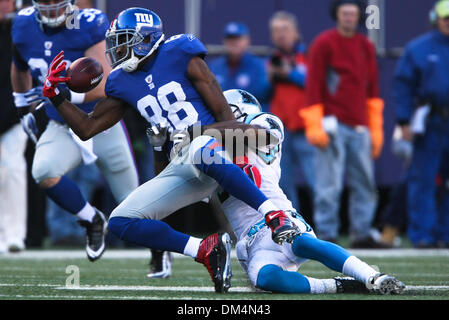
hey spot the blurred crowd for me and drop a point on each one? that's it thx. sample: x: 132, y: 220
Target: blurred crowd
x: 327, y: 95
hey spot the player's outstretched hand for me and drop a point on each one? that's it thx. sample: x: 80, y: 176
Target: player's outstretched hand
x: 35, y: 95
x: 53, y: 77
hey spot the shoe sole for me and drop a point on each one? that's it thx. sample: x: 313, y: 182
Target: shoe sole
x: 95, y: 255
x: 390, y: 285
x: 223, y: 279
x: 287, y: 235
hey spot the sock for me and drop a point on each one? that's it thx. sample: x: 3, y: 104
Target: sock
x: 359, y: 270
x: 67, y: 195
x: 210, y: 159
x: 266, y: 207
x: 87, y: 213
x: 153, y: 234
x: 192, y: 246
x: 274, y: 278
x: 318, y: 286
x: 330, y: 254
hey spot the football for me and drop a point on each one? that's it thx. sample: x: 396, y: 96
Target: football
x: 85, y: 74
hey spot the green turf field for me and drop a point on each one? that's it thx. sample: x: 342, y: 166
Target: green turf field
x: 121, y: 275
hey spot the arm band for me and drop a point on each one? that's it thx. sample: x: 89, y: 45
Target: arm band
x: 63, y: 94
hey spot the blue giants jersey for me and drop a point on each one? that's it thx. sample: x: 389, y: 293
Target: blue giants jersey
x: 160, y: 90
x: 38, y: 46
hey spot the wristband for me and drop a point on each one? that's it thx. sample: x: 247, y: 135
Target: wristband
x: 61, y: 96
x: 20, y: 101
x: 76, y: 98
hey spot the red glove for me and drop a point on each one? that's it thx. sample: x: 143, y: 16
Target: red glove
x: 251, y: 171
x: 53, y: 77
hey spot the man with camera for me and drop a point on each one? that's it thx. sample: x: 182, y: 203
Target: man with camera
x: 287, y: 73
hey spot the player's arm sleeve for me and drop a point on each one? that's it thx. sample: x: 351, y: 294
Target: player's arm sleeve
x: 111, y: 89
x: 405, y: 85
x: 193, y: 47
x: 17, y: 59
x: 98, y: 28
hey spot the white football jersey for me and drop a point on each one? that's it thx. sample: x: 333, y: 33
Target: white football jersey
x: 267, y: 160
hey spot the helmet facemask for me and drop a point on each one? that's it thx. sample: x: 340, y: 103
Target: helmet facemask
x: 119, y: 44
x: 239, y: 116
x: 53, y: 15
x: 128, y: 47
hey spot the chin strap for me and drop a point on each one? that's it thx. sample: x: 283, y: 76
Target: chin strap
x: 132, y: 63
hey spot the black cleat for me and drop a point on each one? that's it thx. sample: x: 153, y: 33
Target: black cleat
x: 160, y: 264
x: 350, y: 285
x: 96, y: 232
x: 385, y: 284
x: 282, y: 228
x: 215, y: 254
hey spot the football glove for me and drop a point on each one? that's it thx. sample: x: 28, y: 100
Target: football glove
x: 157, y: 135
x: 53, y: 78
x: 35, y: 95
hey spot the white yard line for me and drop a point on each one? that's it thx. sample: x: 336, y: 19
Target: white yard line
x: 178, y: 288
x: 145, y: 254
x: 21, y: 296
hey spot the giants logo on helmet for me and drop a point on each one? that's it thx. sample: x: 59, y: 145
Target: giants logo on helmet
x: 144, y: 19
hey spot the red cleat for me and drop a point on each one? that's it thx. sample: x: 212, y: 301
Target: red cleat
x: 282, y: 228
x: 215, y: 254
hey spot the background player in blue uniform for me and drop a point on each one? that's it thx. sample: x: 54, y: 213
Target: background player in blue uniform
x: 39, y: 33
x: 172, y: 87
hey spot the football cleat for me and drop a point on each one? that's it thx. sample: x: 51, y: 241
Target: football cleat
x: 282, y: 228
x: 215, y: 254
x: 350, y: 285
x: 160, y: 264
x: 96, y: 232
x: 385, y: 284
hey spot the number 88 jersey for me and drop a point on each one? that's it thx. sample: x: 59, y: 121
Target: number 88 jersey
x: 161, y: 90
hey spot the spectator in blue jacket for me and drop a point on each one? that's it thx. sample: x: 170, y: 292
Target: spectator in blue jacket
x: 421, y: 100
x: 238, y: 68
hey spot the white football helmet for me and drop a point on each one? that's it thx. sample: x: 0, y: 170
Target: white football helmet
x: 53, y: 15
x: 242, y: 103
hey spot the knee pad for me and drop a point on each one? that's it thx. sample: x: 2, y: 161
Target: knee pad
x: 43, y: 169
x: 267, y: 277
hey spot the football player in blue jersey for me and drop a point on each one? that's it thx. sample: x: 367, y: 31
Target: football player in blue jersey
x: 169, y: 83
x: 40, y: 32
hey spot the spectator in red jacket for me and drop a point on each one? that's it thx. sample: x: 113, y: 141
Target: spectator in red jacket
x: 344, y: 121
x: 287, y: 71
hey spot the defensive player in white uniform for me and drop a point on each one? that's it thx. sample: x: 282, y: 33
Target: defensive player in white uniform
x: 271, y: 266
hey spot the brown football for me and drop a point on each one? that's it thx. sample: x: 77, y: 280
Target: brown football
x: 85, y: 74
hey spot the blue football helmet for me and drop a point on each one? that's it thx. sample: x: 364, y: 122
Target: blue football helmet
x: 242, y: 103
x: 53, y: 15
x: 134, y: 35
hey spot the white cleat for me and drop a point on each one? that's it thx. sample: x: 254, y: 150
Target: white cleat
x: 160, y: 265
x: 385, y: 284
